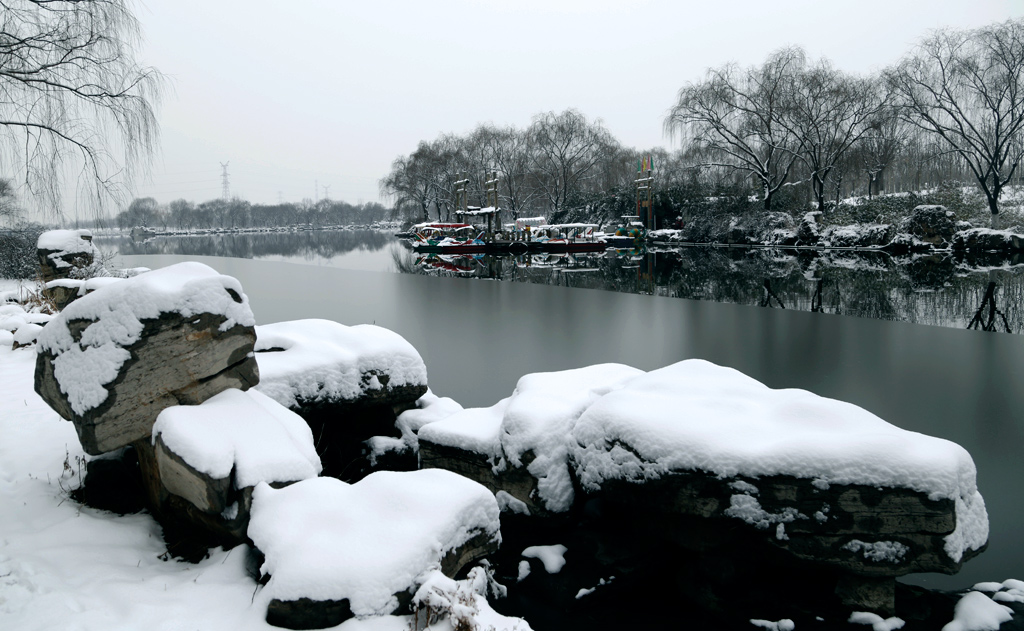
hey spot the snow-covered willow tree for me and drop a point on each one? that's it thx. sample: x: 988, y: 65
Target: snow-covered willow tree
x: 76, y: 108
x: 967, y: 88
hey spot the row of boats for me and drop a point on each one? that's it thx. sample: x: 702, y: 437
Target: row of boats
x: 525, y: 235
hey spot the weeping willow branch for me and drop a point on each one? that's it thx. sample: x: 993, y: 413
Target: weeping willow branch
x: 73, y: 98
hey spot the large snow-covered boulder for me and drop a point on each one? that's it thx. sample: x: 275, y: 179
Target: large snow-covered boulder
x: 113, y: 359
x: 313, y: 361
x: 695, y: 416
x: 347, y: 382
x: 213, y: 454
x: 334, y: 550
x: 62, y: 251
x: 521, y: 445
x: 824, y: 480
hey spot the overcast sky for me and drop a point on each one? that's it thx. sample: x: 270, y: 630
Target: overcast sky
x: 293, y: 93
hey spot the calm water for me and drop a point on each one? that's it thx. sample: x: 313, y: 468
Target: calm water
x: 941, y: 289
x: 478, y: 338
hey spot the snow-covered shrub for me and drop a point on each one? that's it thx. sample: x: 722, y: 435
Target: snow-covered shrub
x: 463, y: 603
x: 18, y: 252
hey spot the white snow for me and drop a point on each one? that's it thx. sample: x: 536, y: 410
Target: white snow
x: 540, y: 417
x: 771, y: 625
x: 877, y: 622
x: 508, y: 503
x: 27, y: 333
x: 246, y: 433
x: 463, y: 603
x: 328, y: 540
x: 977, y: 612
x: 321, y: 359
x: 84, y: 366
x: 471, y: 429
x: 695, y: 415
x: 67, y: 241
x: 381, y: 445
x: 524, y: 570
x: 537, y: 418
x: 878, y: 551
x: 1010, y: 590
x: 748, y: 509
x: 586, y: 591
x: 553, y: 557
x: 429, y: 409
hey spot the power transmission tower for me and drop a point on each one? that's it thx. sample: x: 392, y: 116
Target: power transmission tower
x: 326, y: 187
x: 225, y: 188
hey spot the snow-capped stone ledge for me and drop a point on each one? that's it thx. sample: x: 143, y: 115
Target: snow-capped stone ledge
x: 988, y: 240
x: 347, y: 382
x: 334, y: 550
x: 113, y: 359
x: 62, y: 251
x: 823, y: 480
x: 64, y: 291
x: 212, y: 454
x: 695, y: 417
x: 319, y: 361
x: 521, y: 445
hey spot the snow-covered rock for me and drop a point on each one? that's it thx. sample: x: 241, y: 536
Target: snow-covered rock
x: 348, y: 383
x: 695, y: 416
x: 320, y: 361
x: 113, y: 359
x: 61, y: 251
x: 333, y: 550
x: 212, y: 454
x: 989, y: 240
x: 530, y: 431
x: 932, y: 224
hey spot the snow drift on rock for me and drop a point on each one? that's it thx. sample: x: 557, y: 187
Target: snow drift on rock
x: 695, y: 415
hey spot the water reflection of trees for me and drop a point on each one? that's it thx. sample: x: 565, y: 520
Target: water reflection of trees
x: 938, y: 288
x: 306, y: 245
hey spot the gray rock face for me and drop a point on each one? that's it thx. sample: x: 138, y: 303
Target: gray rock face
x: 931, y: 224
x: 808, y: 232
x: 516, y: 482
x: 854, y: 528
x: 988, y: 240
x: 863, y: 536
x: 176, y: 361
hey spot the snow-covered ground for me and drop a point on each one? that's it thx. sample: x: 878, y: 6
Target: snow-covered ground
x: 68, y: 566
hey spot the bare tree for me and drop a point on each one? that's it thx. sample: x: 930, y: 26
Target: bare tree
x: 734, y: 119
x: 967, y: 87
x: 9, y: 209
x: 876, y: 150
x: 827, y: 112
x: 508, y: 151
x: 73, y: 97
x: 568, y: 150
